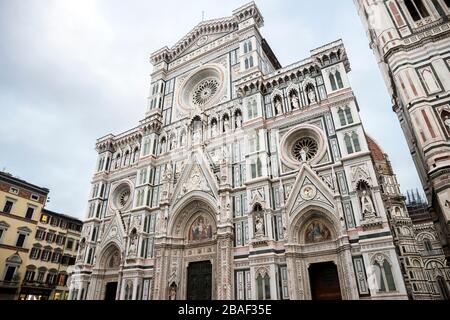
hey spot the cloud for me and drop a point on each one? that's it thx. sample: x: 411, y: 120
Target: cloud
x: 75, y: 70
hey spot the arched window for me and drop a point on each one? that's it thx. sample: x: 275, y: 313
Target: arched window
x: 259, y: 166
x: 333, y: 82
x: 126, y: 160
x: 245, y: 47
x: 339, y: 80
x: 356, y: 144
x: 252, y: 109
x: 326, y: 61
x: 348, y: 144
x: 417, y: 9
x: 342, y: 117
x: 384, y: 277
x: 250, y: 61
x: 263, y: 283
x: 250, y: 47
x: 427, y: 244
x: 333, y: 57
x: 246, y: 63
x: 108, y: 160
x: 348, y: 115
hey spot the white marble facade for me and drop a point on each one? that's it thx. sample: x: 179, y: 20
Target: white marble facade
x: 261, y: 171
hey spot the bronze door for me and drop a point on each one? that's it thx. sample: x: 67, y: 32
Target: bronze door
x: 324, y: 281
x: 199, y: 281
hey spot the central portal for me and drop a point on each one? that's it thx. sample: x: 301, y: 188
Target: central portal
x: 199, y: 281
x: 324, y: 281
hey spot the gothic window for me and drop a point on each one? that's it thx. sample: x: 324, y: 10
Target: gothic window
x: 146, y: 149
x: 256, y: 168
x: 243, y: 285
x: 333, y: 82
x: 326, y: 61
x: 250, y: 62
x: 342, y: 117
x: 417, y: 9
x: 384, y: 277
x: 427, y: 244
x: 396, y: 14
x: 254, y: 109
x: 356, y: 144
x: 348, y: 115
x: 245, y: 47
x: 333, y: 57
x: 429, y: 80
x: 263, y: 283
x: 339, y: 80
x: 348, y: 144
x: 246, y: 63
x: 250, y: 47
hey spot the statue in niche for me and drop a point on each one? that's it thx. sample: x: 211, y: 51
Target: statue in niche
x: 367, y: 207
x: 173, y: 142
x: 445, y: 116
x: 238, y: 120
x: 132, y: 249
x: 294, y: 101
x: 173, y: 292
x: 226, y: 124
x: 259, y: 225
x: 311, y: 95
x: 278, y: 106
x: 197, y: 128
x: 214, y: 129
x: 303, y: 155
x: 317, y: 232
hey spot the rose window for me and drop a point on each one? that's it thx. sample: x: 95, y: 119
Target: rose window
x: 124, y: 197
x: 305, y: 149
x: 205, y: 91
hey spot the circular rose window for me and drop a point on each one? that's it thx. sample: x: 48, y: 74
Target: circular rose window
x: 304, y: 143
x: 305, y: 149
x: 202, y: 89
x: 204, y: 92
x: 121, y: 196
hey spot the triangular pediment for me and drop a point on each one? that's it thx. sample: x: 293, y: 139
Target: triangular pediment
x: 202, y: 34
x: 115, y: 231
x: 196, y: 176
x: 309, y: 188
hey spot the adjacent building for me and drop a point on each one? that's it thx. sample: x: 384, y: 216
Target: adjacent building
x: 411, y: 41
x: 20, y: 209
x: 422, y: 260
x: 244, y: 180
x: 53, y: 249
x: 36, y: 245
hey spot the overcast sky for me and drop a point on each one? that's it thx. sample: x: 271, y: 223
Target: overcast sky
x: 73, y: 71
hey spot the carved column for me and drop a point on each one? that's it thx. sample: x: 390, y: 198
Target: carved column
x: 224, y: 265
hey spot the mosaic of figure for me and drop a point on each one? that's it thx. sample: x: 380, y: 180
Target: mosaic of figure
x: 201, y: 229
x: 317, y: 232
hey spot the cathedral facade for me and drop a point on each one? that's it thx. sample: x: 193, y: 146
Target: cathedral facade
x: 244, y: 180
x: 411, y: 41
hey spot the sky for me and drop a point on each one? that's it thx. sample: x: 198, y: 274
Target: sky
x: 73, y: 71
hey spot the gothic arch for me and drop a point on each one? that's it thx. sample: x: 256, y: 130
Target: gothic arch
x: 107, y: 253
x: 305, y: 214
x: 425, y: 235
x: 187, y: 207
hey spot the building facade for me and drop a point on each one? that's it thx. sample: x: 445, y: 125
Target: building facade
x: 422, y: 260
x: 20, y: 204
x: 53, y: 250
x: 244, y: 180
x: 411, y: 40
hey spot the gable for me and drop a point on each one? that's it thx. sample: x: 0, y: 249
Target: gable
x: 309, y: 188
x: 196, y: 176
